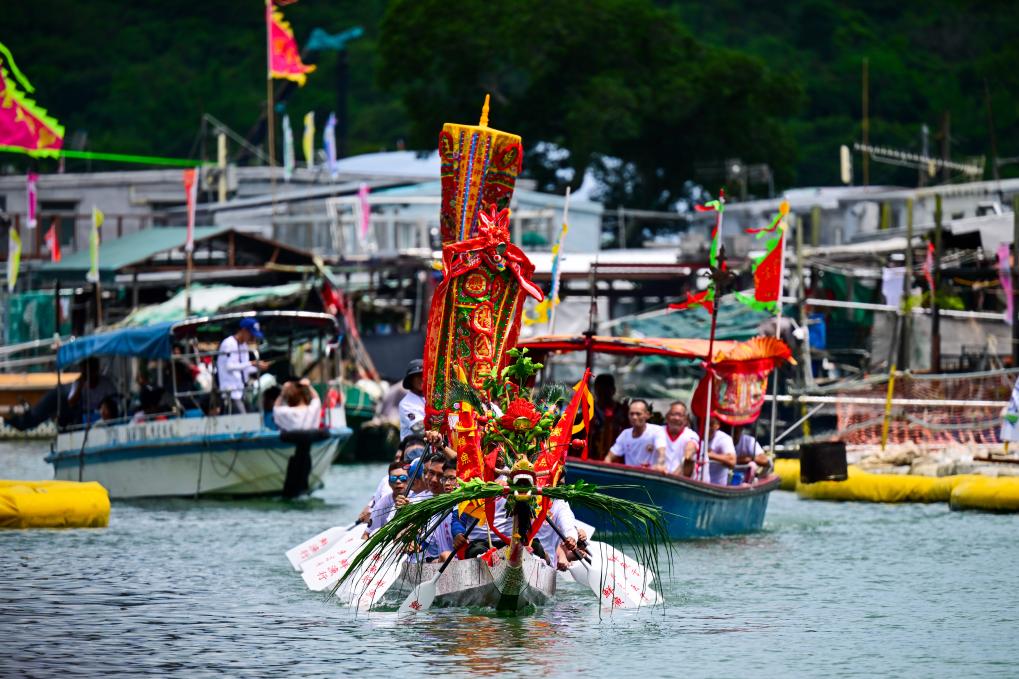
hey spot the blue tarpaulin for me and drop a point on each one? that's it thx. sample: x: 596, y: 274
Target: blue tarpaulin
x: 149, y: 342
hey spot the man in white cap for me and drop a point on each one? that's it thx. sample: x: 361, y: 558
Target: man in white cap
x: 234, y: 365
x: 412, y: 407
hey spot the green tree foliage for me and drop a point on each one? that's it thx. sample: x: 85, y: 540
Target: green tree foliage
x: 645, y: 93
x: 137, y: 76
x: 620, y: 79
x: 925, y: 58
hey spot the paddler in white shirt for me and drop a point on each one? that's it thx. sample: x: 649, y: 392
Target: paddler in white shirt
x: 643, y: 444
x: 681, y: 442
x: 557, y: 551
x: 721, y: 454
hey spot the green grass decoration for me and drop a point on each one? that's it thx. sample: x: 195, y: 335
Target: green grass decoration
x: 640, y: 525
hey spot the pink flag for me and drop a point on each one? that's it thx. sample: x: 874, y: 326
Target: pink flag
x: 928, y: 268
x: 53, y: 241
x: 33, y: 178
x: 191, y: 193
x: 366, y: 210
x: 1005, y: 276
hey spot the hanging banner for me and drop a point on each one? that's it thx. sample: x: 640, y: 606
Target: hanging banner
x: 93, y: 246
x: 365, y: 210
x: 329, y: 141
x: 288, y: 149
x: 53, y: 240
x: 13, y: 257
x: 191, y: 197
x: 32, y: 196
x: 308, y: 142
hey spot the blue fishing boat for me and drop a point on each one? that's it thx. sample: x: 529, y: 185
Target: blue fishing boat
x: 691, y: 508
x: 188, y: 443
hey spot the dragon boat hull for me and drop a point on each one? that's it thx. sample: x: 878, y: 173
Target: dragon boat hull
x: 230, y: 455
x: 473, y: 583
x: 691, y: 509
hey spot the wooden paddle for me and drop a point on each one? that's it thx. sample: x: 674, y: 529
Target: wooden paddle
x: 420, y: 599
x: 317, y: 545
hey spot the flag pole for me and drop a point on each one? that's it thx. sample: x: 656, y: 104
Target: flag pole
x: 269, y: 113
x: 778, y: 332
x: 702, y: 466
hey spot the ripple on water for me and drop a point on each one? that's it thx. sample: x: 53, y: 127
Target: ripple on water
x: 193, y: 589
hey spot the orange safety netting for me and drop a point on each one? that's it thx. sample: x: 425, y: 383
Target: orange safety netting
x: 929, y: 423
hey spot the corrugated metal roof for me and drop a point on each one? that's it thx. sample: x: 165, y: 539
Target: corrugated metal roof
x: 117, y: 253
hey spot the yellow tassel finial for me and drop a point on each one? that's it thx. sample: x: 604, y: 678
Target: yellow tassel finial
x: 484, y: 113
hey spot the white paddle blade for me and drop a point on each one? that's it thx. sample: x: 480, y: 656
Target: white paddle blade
x: 420, y: 599
x: 371, y: 582
x: 323, y: 571
x: 578, y: 571
x: 617, y: 587
x: 315, y: 546
x: 611, y: 556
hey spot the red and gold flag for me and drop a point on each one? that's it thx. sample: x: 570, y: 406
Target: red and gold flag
x: 24, y: 125
x: 284, y: 57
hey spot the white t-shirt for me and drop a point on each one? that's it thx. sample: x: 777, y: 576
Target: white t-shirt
x: 747, y: 446
x: 412, y: 412
x: 640, y: 451
x: 562, y: 515
x: 289, y: 418
x: 721, y: 444
x: 675, y: 448
x: 381, y: 513
x: 503, y: 523
x: 233, y: 366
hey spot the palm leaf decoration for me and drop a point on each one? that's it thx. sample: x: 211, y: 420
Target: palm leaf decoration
x: 638, y: 524
x: 552, y: 393
x: 460, y: 392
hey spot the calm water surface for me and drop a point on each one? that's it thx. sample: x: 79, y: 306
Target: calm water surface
x: 195, y: 589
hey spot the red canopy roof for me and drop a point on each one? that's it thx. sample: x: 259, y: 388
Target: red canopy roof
x: 627, y: 346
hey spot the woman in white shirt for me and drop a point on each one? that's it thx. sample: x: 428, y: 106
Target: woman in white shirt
x: 297, y: 407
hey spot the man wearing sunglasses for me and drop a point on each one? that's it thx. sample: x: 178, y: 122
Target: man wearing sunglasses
x: 385, y: 508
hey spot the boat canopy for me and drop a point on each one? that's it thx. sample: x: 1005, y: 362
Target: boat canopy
x: 155, y: 341
x: 628, y: 346
x: 149, y: 342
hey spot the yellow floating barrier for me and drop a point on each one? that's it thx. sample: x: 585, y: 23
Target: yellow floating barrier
x: 788, y: 469
x: 53, y: 504
x: 990, y: 494
x: 864, y: 487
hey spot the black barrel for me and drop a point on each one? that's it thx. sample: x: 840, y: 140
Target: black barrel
x: 823, y: 462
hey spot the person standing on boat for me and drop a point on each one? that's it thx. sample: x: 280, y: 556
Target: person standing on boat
x: 412, y: 406
x: 297, y: 407
x: 234, y: 365
x: 681, y: 442
x: 643, y: 444
x: 721, y: 454
x: 610, y: 417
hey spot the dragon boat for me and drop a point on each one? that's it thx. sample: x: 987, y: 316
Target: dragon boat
x: 510, y: 440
